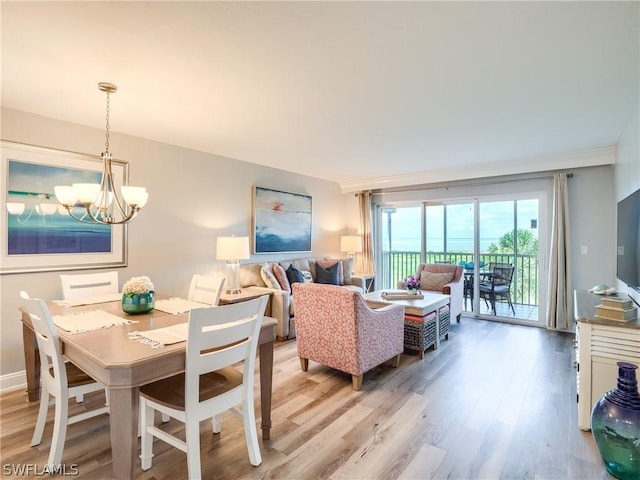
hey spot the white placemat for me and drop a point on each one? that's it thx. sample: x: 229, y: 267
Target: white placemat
x: 88, y: 321
x: 160, y: 337
x: 177, y: 305
x: 76, y: 302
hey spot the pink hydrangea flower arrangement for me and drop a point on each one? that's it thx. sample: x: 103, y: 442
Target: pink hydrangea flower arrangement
x: 412, y: 283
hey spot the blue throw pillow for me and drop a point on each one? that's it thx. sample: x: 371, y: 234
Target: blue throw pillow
x: 327, y: 276
x: 294, y: 275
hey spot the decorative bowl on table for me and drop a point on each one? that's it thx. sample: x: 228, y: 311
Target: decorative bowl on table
x: 138, y: 296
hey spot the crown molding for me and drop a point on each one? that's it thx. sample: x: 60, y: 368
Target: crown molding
x: 579, y: 159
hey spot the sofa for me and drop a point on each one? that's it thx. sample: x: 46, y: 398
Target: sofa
x: 259, y: 277
x: 443, y: 278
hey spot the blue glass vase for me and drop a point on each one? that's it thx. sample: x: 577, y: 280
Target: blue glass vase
x: 136, y: 304
x: 615, y: 424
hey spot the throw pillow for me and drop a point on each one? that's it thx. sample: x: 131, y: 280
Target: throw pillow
x: 329, y: 275
x: 302, y: 264
x: 268, y: 277
x: 281, y: 275
x: 434, y: 281
x: 306, y: 275
x: 250, y: 274
x: 347, y: 269
x: 294, y: 275
x: 328, y: 264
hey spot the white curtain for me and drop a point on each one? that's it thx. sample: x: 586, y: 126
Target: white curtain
x: 365, y: 260
x: 559, y: 293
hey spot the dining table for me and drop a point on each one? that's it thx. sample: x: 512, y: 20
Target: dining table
x: 123, y: 364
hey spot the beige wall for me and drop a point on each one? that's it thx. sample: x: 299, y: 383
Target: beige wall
x: 194, y: 197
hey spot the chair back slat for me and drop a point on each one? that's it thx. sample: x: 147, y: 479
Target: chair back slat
x: 220, y: 337
x: 206, y: 289
x: 88, y: 285
x: 224, y: 357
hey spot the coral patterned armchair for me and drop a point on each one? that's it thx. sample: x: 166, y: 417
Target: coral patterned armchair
x: 335, y: 327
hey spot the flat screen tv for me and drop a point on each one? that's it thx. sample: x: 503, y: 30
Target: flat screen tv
x: 628, y: 265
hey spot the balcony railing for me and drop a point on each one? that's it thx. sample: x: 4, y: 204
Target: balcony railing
x: 524, y: 287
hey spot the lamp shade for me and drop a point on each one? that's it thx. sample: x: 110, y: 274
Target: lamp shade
x: 351, y: 243
x: 232, y: 248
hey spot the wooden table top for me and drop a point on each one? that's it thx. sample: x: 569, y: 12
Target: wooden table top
x: 111, y: 348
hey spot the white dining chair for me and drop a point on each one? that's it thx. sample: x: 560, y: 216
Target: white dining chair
x: 218, y: 337
x: 89, y: 285
x: 206, y: 289
x: 60, y: 380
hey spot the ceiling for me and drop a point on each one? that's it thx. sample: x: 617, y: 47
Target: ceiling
x: 366, y: 94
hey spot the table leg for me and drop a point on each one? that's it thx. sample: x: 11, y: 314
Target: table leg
x: 266, y: 385
x: 124, y: 431
x: 31, y: 363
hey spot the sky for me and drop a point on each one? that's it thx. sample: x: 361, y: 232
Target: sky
x: 496, y: 219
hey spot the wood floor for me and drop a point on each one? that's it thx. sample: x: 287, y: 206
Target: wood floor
x: 494, y: 401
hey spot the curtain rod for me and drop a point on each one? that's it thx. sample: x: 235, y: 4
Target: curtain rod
x: 473, y: 182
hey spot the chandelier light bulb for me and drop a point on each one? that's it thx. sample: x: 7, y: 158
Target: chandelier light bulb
x: 65, y: 194
x: 15, y: 208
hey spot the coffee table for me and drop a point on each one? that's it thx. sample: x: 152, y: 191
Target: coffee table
x: 426, y: 319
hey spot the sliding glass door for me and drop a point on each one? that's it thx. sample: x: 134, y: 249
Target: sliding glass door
x: 509, y: 237
x: 508, y: 233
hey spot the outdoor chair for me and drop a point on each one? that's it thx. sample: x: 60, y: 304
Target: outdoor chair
x: 499, y: 285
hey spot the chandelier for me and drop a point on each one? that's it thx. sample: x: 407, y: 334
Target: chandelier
x: 100, y: 201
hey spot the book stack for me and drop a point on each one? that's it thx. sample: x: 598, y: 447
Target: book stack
x: 617, y: 309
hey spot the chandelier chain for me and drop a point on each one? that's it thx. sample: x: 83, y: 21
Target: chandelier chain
x: 106, y: 140
x: 100, y: 201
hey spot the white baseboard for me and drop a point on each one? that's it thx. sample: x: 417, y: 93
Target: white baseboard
x: 13, y: 381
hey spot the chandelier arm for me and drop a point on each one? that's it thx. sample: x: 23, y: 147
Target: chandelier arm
x: 116, y: 198
x: 95, y: 220
x: 82, y: 218
x: 22, y: 222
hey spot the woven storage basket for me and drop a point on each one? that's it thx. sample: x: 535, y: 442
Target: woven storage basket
x: 445, y: 322
x: 419, y: 332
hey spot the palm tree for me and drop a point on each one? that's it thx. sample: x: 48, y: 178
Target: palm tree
x: 526, y: 267
x: 527, y: 243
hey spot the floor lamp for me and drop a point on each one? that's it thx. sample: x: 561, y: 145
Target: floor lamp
x: 233, y: 249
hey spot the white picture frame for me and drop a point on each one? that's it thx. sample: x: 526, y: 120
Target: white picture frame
x: 52, y: 243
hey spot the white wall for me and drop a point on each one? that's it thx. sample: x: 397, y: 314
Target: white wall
x: 194, y: 197
x: 627, y: 175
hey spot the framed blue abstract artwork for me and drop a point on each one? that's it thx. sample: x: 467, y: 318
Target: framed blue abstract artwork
x: 36, y: 234
x: 281, y: 221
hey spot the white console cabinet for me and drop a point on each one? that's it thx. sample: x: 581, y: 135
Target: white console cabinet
x: 600, y: 344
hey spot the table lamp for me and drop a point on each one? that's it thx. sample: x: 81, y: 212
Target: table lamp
x: 351, y: 244
x: 233, y: 249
